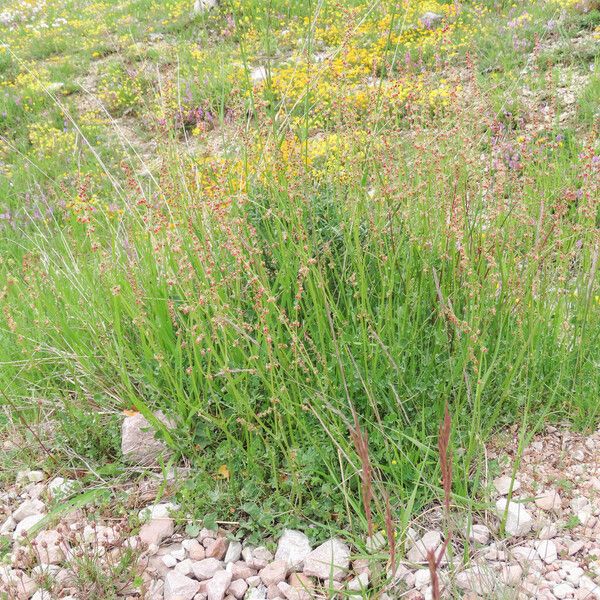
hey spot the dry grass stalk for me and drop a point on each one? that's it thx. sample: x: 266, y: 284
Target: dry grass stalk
x: 445, y: 458
x: 390, y: 530
x: 361, y: 444
x: 435, y: 580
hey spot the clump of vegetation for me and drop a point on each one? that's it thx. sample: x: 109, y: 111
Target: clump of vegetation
x: 120, y: 89
x: 343, y: 218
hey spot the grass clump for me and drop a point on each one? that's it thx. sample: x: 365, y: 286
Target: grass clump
x: 389, y: 218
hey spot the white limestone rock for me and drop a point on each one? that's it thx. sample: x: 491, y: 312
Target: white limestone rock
x: 547, y: 551
x: 329, y: 560
x: 27, y: 509
x: 293, y: 548
x: 430, y: 541
x: 180, y: 587
x: 518, y: 520
x: 25, y: 525
x: 138, y: 440
x: 156, y: 531
x: 477, y: 580
x: 376, y: 542
x: 274, y: 572
x: 217, y: 586
x: 549, y: 500
x: 158, y: 511
x: 479, y: 534
x: 503, y: 483
x: 234, y: 552
x: 205, y: 569
x: 203, y: 6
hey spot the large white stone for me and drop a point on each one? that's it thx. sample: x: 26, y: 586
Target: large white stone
x: 547, y: 551
x: 549, y: 500
x: 158, y: 511
x: 194, y: 549
x: 178, y: 552
x: 563, y: 590
x: 292, y: 593
x: 217, y: 586
x: 60, y: 486
x: 237, y: 588
x: 180, y: 587
x: 234, y: 551
x: 548, y: 531
x: 27, y: 509
x: 256, y: 593
x: 20, y: 584
x: 376, y: 542
x: 293, y: 548
x: 511, y: 574
x: 258, y: 74
x: 503, y: 484
x: 240, y: 570
x: 184, y: 567
x: 261, y: 557
x: 359, y: 583
x: 476, y: 580
x: 329, y: 560
x: 156, y: 531
x: 526, y: 555
x: 205, y: 569
x: 430, y: 541
x: 479, y: 534
x: 51, y: 547
x: 422, y: 578
x: 582, y: 508
x: 8, y: 526
x: 170, y: 561
x: 203, y: 6
x: 24, y: 477
x: 274, y: 572
x: 587, y: 584
x: 100, y: 533
x: 518, y: 520
x: 216, y: 548
x: 25, y: 525
x: 138, y: 441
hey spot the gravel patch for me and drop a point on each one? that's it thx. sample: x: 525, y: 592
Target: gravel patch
x: 549, y: 547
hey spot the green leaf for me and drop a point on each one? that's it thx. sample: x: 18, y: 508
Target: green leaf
x: 192, y: 530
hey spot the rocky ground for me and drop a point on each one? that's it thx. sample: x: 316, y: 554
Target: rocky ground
x: 550, y: 546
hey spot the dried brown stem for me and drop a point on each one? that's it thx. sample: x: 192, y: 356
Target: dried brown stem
x: 361, y: 444
x: 445, y: 458
x: 390, y: 531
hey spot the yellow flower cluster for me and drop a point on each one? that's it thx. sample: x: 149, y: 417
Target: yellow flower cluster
x: 118, y: 90
x: 31, y: 84
x: 351, y: 48
x: 215, y: 175
x: 326, y: 157
x: 171, y: 11
x: 321, y: 84
x: 49, y: 142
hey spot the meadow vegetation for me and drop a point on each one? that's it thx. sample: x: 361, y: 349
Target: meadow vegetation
x: 284, y: 223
